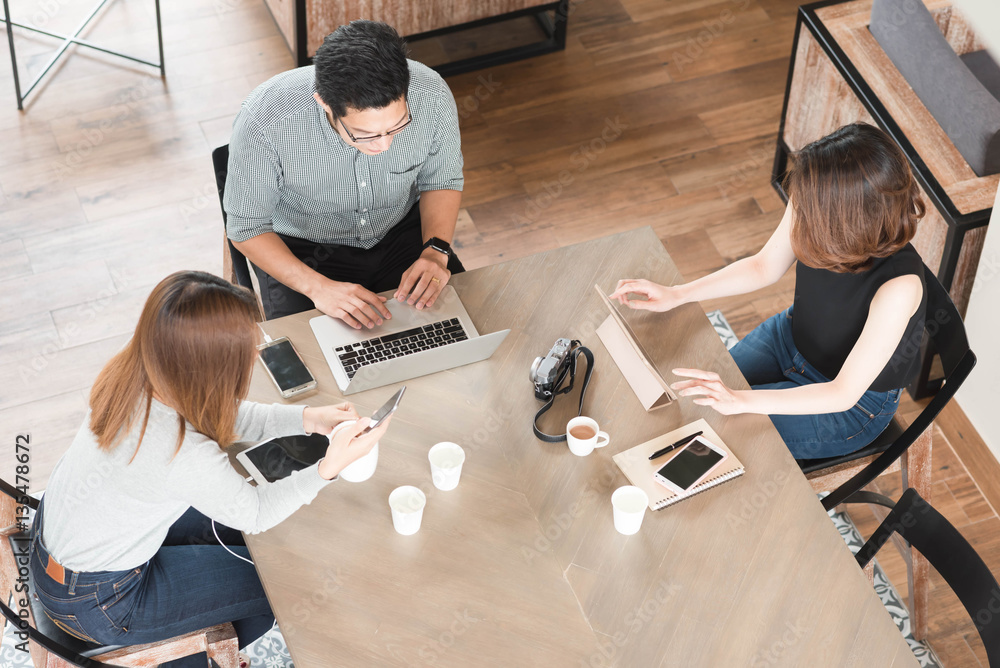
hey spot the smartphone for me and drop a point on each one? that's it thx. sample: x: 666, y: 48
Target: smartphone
x: 286, y: 368
x: 280, y: 457
x: 690, y: 465
x: 388, y: 408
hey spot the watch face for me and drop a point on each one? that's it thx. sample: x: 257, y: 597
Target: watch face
x: 439, y: 245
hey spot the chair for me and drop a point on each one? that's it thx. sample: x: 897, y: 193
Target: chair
x: 234, y: 264
x: 907, y: 450
x: 921, y: 526
x: 51, y: 647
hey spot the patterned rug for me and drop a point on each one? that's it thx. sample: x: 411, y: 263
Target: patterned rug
x: 887, y: 593
x: 270, y: 651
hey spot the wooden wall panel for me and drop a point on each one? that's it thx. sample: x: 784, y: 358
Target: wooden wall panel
x: 965, y: 271
x: 957, y: 30
x: 820, y: 101
x: 409, y: 18
x: 932, y: 234
x: 283, y: 12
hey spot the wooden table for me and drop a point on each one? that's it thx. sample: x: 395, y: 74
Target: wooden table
x: 521, y: 564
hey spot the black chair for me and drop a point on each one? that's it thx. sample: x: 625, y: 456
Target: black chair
x: 238, y: 271
x: 50, y: 645
x: 907, y: 450
x: 923, y: 527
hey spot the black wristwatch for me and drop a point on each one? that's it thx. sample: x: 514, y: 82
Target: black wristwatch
x: 440, y: 245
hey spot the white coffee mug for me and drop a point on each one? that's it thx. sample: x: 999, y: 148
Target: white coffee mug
x: 360, y: 469
x: 587, y: 436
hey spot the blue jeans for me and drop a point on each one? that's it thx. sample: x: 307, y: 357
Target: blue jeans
x: 191, y: 583
x: 768, y: 359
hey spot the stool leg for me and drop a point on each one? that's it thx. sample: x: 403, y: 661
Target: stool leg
x: 159, y: 40
x: 223, y: 645
x: 916, y: 464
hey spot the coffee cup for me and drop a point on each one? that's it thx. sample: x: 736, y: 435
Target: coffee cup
x: 407, y: 506
x: 629, y: 504
x: 360, y: 469
x: 446, y: 461
x: 583, y: 435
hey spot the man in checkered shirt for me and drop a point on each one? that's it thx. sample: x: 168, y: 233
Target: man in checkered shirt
x: 345, y: 180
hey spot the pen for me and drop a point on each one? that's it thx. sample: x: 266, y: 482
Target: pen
x: 663, y: 451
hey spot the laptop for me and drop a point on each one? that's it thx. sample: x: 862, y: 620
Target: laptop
x: 412, y: 343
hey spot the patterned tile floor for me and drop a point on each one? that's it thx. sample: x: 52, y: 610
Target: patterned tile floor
x: 271, y: 652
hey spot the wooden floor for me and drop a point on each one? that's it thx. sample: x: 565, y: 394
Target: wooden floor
x: 659, y: 112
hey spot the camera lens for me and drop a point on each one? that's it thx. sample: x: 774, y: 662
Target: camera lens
x: 534, y: 369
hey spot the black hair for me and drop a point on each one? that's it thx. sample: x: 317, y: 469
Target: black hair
x: 361, y: 65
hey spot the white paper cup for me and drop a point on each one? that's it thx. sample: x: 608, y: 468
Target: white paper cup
x: 360, y: 469
x: 446, y: 465
x: 629, y: 505
x: 407, y: 506
x: 581, y: 447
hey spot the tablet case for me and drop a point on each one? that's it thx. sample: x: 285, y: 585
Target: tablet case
x: 625, y: 349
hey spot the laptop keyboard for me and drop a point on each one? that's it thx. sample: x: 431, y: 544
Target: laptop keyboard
x: 356, y: 355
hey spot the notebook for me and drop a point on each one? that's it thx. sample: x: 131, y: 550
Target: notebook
x: 636, y: 466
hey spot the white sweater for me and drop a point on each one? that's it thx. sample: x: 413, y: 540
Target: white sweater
x: 103, y: 513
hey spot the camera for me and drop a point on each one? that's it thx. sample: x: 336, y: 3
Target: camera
x: 546, y: 371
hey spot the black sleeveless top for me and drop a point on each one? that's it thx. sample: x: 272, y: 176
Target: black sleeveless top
x: 831, y: 309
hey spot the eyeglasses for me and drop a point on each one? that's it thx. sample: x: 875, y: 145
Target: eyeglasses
x: 397, y: 130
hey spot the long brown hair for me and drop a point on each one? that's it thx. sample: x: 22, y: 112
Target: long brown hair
x: 194, y: 346
x: 854, y: 199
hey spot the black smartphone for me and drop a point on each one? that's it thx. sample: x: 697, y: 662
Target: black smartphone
x: 388, y: 408
x: 286, y: 368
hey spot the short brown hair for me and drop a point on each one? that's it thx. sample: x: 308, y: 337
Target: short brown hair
x: 854, y: 199
x: 194, y: 346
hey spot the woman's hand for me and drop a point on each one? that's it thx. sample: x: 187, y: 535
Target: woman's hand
x: 349, y: 445
x: 322, y: 419
x: 713, y: 391
x: 657, y: 297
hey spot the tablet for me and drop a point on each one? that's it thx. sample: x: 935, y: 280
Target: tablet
x: 280, y: 457
x: 636, y: 346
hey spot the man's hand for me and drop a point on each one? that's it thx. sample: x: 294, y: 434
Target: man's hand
x: 351, y: 303
x: 423, y: 282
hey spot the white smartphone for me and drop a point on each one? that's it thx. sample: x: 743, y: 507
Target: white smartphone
x: 690, y: 465
x: 280, y: 457
x: 286, y: 369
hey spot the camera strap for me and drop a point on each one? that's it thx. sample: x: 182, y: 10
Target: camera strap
x: 568, y: 370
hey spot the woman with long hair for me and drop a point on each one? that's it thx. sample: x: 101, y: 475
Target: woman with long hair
x: 127, y: 542
x: 829, y: 370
